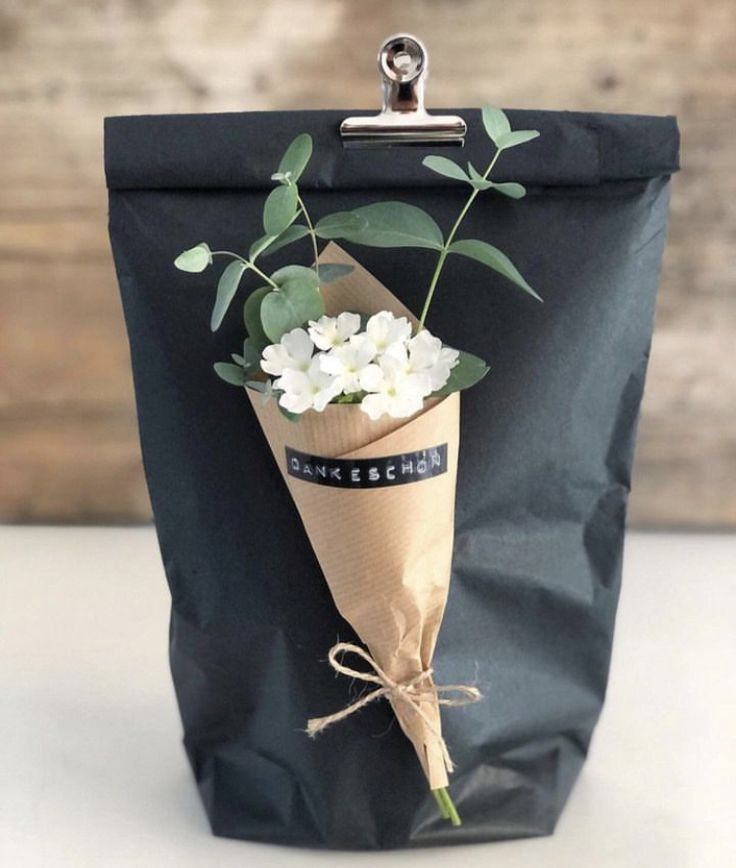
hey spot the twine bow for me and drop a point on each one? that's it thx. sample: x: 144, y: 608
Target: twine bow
x: 409, y: 692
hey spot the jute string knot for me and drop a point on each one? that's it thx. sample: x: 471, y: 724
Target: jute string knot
x: 409, y: 692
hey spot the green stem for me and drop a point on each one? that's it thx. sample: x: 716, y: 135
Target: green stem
x: 450, y: 808
x: 228, y: 253
x: 448, y: 241
x: 248, y: 264
x: 312, y: 233
x: 261, y: 274
x: 441, y: 806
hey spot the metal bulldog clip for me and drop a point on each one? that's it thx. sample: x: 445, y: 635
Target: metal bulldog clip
x: 403, y: 63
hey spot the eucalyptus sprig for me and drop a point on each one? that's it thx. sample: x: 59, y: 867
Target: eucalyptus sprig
x: 399, y: 224
x: 290, y: 297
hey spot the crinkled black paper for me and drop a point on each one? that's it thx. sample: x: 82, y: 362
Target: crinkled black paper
x: 546, y: 450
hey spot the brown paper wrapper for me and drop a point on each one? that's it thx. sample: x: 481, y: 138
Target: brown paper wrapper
x: 385, y: 552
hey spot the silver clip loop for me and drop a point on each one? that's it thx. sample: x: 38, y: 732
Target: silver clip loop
x: 403, y: 64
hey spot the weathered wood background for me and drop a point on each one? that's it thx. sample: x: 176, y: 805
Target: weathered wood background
x: 68, y: 440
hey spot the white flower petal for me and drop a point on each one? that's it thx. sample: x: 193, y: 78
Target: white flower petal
x: 328, y: 332
x: 298, y: 344
x: 323, y: 332
x: 295, y: 403
x: 374, y: 405
x: 370, y: 378
x: 275, y: 359
x: 385, y: 329
x: 330, y: 364
x: 424, y: 351
x: 347, y: 325
x: 323, y: 397
x: 401, y: 407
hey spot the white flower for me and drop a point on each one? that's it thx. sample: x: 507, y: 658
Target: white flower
x: 425, y: 355
x: 292, y: 353
x: 392, y: 390
x: 385, y: 329
x: 397, y: 371
x: 305, y: 390
x: 333, y: 331
x: 348, y: 362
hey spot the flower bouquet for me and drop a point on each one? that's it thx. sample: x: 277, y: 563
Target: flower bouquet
x: 359, y: 403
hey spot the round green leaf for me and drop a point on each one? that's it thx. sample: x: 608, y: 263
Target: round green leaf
x: 396, y: 224
x: 233, y: 374
x: 495, y: 122
x: 296, y: 157
x: 491, y: 256
x: 446, y: 167
x: 295, y: 272
x: 340, y: 224
x: 226, y: 289
x: 290, y: 307
x: 195, y: 259
x: 257, y: 338
x: 279, y: 209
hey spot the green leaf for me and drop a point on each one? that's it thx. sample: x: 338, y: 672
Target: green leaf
x: 495, y: 122
x: 518, y: 137
x: 251, y: 354
x: 226, y: 289
x: 259, y: 386
x: 297, y: 155
x: 295, y: 272
x: 195, y: 259
x: 330, y: 271
x: 466, y: 373
x: 287, y: 414
x: 396, y: 224
x: 477, y: 180
x: 288, y: 236
x: 259, y: 245
x: 280, y: 209
x: 290, y: 307
x: 352, y: 398
x: 252, y: 317
x: 446, y: 167
x: 339, y: 224
x: 233, y: 374
x: 239, y: 360
x: 508, y: 188
x: 491, y: 256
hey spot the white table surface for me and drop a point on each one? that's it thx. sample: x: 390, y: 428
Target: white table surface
x: 92, y: 772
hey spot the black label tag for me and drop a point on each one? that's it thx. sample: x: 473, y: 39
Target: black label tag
x: 368, y: 472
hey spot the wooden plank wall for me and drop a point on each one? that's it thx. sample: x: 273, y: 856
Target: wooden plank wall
x: 68, y: 440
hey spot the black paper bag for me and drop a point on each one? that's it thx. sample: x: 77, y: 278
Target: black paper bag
x: 546, y: 449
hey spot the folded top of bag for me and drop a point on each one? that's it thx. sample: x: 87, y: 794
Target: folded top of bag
x: 240, y: 150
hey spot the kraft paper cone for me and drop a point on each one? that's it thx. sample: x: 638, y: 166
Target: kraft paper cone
x: 386, y: 551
